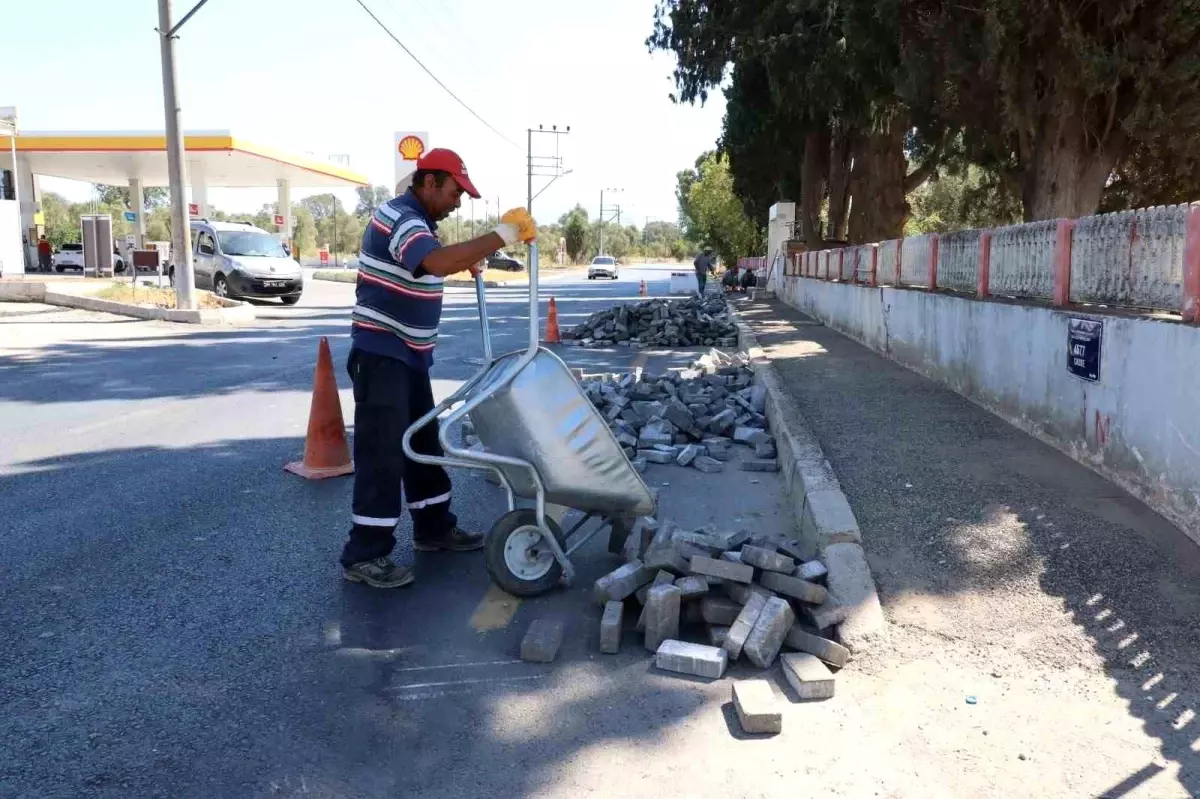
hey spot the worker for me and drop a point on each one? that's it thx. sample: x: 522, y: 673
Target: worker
x: 398, y: 304
x: 703, y: 265
x: 43, y: 249
x: 729, y: 281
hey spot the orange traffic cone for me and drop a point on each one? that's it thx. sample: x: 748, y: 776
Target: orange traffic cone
x: 552, y: 336
x: 642, y: 290
x: 326, y: 453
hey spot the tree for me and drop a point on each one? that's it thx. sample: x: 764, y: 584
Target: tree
x: 370, y: 198
x: 968, y: 198
x: 718, y: 219
x: 575, y: 229
x: 322, y: 206
x: 153, y: 196
x: 304, y: 236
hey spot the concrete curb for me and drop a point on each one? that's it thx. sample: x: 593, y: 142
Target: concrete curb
x: 822, y: 513
x: 234, y: 312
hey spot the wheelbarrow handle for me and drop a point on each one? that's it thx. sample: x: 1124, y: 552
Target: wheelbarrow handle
x: 484, y: 332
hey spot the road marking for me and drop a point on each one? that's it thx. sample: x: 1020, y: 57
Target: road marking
x: 495, y: 610
x: 473, y: 681
x: 461, y: 665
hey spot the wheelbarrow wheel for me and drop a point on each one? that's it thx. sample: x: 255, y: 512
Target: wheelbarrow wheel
x: 517, y: 556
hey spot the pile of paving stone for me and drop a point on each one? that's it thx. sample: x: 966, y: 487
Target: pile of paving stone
x: 659, y: 322
x: 704, y: 599
x: 690, y: 417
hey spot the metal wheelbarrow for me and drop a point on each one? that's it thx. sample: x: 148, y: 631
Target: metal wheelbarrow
x: 547, y: 443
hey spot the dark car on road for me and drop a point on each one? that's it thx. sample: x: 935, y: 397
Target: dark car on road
x: 499, y: 260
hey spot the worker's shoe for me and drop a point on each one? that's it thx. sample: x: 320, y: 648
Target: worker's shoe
x: 379, y: 573
x: 455, y: 539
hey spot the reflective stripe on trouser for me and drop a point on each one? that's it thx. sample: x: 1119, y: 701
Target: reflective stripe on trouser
x: 388, y: 395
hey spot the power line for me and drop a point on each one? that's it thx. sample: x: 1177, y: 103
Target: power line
x: 388, y: 31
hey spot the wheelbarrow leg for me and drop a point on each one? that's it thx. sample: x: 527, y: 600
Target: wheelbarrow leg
x: 621, y: 527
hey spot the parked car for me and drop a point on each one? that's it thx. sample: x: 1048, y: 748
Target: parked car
x: 602, y: 266
x: 501, y: 260
x: 242, y: 262
x: 70, y: 256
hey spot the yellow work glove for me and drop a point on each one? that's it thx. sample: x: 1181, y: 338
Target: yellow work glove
x: 516, y: 225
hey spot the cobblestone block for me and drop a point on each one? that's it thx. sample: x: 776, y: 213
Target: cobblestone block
x: 760, y: 465
x: 719, y: 610
x: 541, y: 641
x: 743, y: 625
x: 711, y: 567
x: 794, y: 587
x: 769, y: 631
x: 610, y: 627
x: 692, y: 587
x: 831, y: 652
x: 695, y: 659
x: 662, y: 615
x: 622, y: 582
x: 741, y: 594
x: 717, y: 633
x: 767, y: 560
x: 808, y: 676
x: 757, y: 709
x: 811, y: 571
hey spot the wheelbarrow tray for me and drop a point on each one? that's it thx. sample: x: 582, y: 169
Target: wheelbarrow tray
x: 543, y: 416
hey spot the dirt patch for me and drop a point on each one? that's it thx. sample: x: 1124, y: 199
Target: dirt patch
x: 152, y: 297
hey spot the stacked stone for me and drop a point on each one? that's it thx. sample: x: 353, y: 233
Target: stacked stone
x: 659, y: 323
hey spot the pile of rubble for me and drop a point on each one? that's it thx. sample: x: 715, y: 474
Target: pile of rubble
x: 691, y: 417
x: 704, y: 599
x: 659, y: 322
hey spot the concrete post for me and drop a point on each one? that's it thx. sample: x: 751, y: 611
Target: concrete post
x: 899, y: 264
x: 283, y: 206
x: 199, y: 189
x: 137, y: 200
x: 874, y: 266
x: 1191, y: 267
x: 29, y: 203
x: 933, y: 259
x: 985, y: 264
x: 1062, y: 262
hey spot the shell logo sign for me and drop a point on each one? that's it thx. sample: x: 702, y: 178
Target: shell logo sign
x: 411, y: 148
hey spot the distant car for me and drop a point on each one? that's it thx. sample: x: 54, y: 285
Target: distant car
x: 70, y: 256
x: 602, y: 266
x: 242, y: 262
x: 500, y: 260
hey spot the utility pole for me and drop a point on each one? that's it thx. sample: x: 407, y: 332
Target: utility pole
x: 601, y: 249
x: 547, y: 166
x: 181, y: 235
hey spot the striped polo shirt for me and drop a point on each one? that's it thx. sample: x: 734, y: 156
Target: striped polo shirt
x: 397, y: 303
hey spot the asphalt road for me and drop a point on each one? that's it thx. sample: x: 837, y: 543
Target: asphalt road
x: 174, y: 621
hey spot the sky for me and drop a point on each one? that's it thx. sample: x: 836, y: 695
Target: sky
x: 319, y: 77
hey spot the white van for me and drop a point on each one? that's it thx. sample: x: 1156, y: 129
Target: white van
x: 243, y: 262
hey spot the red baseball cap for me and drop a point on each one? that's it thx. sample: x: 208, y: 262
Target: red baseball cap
x: 440, y: 159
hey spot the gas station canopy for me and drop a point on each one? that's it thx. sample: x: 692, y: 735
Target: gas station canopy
x: 218, y: 158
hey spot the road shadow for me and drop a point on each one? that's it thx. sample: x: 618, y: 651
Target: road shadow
x: 955, y: 502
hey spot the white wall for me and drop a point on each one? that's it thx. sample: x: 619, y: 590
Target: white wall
x: 1139, y: 425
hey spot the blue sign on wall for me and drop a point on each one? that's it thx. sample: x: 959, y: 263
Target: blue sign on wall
x: 130, y: 216
x: 1084, y: 337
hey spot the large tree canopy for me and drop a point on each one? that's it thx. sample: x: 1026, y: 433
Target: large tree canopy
x: 848, y: 107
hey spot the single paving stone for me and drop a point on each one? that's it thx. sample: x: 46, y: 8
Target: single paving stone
x: 662, y: 578
x: 695, y: 659
x: 808, y: 676
x: 743, y: 625
x: 692, y: 613
x: 831, y: 652
x: 758, y: 465
x: 655, y: 456
x: 688, y: 454
x: 639, y: 464
x: 706, y: 541
x: 711, y: 567
x: 719, y: 610
x: 794, y: 587
x: 722, y: 422
x: 662, y: 615
x: 811, y: 571
x: 827, y: 615
x: 717, y: 633
x: 610, y: 627
x: 691, y: 587
x: 741, y: 593
x: 541, y: 641
x: 667, y: 556
x: 792, y: 549
x: 757, y: 709
x: 767, y: 559
x: 622, y: 582
x: 732, y: 557
x: 765, y: 450
x: 708, y: 465
x: 769, y: 631
x: 752, y: 436
x: 733, y: 540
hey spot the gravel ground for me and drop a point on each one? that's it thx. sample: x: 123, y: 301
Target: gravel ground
x: 1009, y: 573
